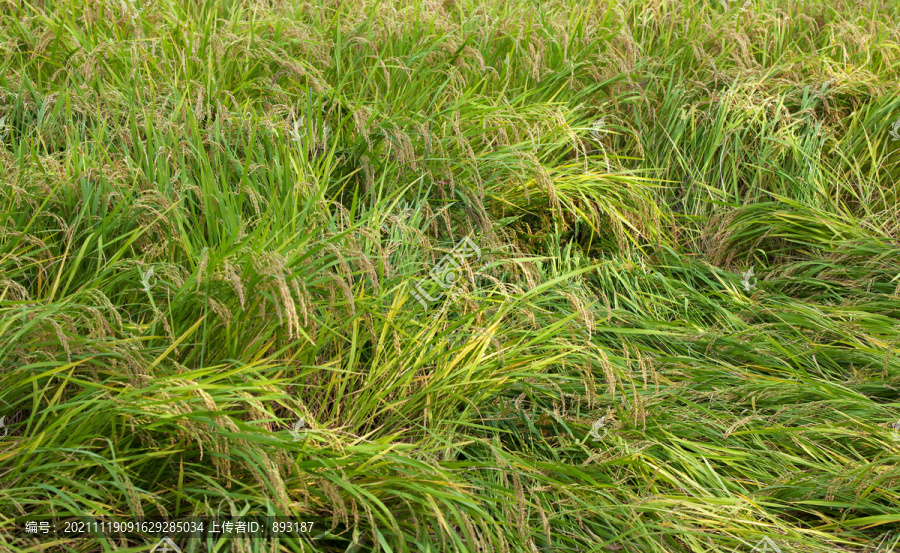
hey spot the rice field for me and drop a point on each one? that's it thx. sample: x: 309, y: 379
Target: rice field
x: 452, y: 275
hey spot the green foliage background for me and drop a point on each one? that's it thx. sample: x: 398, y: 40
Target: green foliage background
x: 212, y: 215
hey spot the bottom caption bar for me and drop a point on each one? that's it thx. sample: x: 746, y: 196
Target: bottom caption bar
x: 196, y: 527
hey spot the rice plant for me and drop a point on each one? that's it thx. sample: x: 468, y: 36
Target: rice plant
x: 220, y: 222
